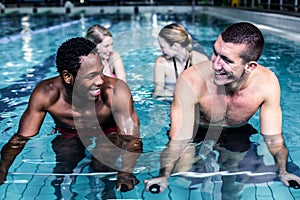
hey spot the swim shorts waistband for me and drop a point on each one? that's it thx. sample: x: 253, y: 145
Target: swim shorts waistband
x: 233, y: 138
x: 72, y: 132
x: 66, y: 132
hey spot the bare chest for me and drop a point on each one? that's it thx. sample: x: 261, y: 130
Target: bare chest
x: 228, y: 110
x: 65, y: 115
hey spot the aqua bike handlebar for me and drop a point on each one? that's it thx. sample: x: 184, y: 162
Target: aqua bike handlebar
x: 294, y: 184
x: 155, y: 188
x: 124, y: 188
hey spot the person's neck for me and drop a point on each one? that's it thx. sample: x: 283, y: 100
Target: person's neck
x: 233, y: 88
x: 76, y: 101
x: 105, y: 62
x: 67, y: 93
x: 183, y: 56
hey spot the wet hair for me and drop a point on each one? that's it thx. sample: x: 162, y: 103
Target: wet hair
x: 248, y: 34
x: 175, y: 33
x: 96, y: 33
x: 69, y: 53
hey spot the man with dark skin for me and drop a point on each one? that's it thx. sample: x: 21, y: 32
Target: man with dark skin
x: 214, y: 96
x: 83, y: 103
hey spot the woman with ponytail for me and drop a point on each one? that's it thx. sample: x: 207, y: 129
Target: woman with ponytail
x: 178, y: 54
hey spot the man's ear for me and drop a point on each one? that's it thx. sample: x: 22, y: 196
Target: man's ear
x: 67, y: 76
x: 250, y: 66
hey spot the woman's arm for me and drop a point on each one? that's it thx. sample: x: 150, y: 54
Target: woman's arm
x: 118, y: 67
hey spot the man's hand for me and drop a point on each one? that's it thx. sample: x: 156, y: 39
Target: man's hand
x: 126, y: 181
x: 156, y: 185
x: 2, y: 177
x: 9, y: 152
x: 290, y: 180
x: 277, y: 148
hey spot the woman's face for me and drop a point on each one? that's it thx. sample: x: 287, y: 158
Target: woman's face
x: 105, y: 48
x: 166, y: 48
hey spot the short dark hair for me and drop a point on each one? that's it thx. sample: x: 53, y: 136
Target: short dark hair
x: 248, y: 34
x: 69, y: 53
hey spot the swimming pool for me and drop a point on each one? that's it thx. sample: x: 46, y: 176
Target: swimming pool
x: 28, y: 58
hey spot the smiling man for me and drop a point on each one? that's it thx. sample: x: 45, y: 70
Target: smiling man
x: 214, y: 100
x: 84, y: 103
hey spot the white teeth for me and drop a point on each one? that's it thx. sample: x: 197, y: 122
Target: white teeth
x: 95, y: 90
x: 220, y: 73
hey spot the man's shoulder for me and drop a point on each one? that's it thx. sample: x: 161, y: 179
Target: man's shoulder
x: 48, y: 89
x: 50, y: 84
x: 115, y: 91
x: 264, y: 81
x: 265, y: 74
x: 115, y: 84
x: 199, y: 71
x: 194, y: 78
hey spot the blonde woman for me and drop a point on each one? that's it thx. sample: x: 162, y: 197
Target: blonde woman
x: 112, y: 61
x: 178, y: 54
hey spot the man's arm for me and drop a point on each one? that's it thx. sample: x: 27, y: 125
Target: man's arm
x: 129, y: 130
x: 182, y: 125
x: 29, y: 126
x: 8, y: 154
x: 277, y: 148
x: 271, y: 129
x: 124, y: 112
x: 182, y: 128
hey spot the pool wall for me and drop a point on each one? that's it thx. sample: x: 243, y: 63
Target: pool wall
x: 282, y: 22
x: 106, y: 9
x: 279, y: 22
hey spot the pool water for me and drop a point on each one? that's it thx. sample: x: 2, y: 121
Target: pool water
x: 28, y: 53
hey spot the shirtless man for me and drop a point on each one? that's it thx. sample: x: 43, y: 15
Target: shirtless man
x: 226, y: 92
x: 81, y: 100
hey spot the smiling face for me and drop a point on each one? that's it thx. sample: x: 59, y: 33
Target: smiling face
x: 105, y: 48
x: 228, y: 66
x: 166, y: 48
x: 89, y: 80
